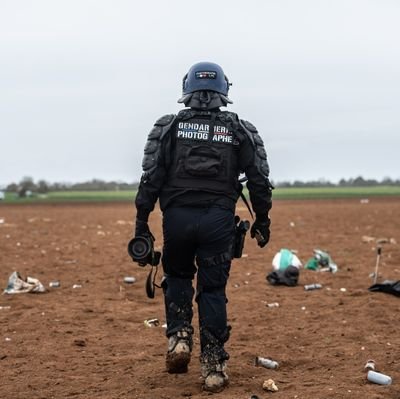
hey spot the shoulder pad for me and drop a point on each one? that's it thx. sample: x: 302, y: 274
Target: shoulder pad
x: 155, y: 133
x: 249, y: 129
x: 248, y: 126
x: 165, y: 120
x: 186, y: 114
x: 152, y: 150
x: 227, y: 116
x: 162, y: 126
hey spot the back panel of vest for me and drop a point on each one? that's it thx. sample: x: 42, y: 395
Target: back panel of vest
x: 205, y: 155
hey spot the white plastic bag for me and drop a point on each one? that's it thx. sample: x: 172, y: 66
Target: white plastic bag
x: 16, y: 285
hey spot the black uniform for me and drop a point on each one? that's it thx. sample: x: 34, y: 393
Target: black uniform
x: 192, y: 164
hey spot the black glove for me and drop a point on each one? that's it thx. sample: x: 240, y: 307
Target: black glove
x: 142, y: 229
x: 260, y: 230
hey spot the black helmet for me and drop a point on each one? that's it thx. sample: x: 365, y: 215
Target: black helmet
x: 205, y: 76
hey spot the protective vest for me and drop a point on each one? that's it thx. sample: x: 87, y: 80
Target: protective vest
x: 205, y: 152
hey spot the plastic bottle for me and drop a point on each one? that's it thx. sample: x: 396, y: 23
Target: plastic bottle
x: 267, y: 363
x: 378, y: 378
x: 310, y: 287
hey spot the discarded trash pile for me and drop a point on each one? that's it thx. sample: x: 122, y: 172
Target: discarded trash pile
x: 286, y: 266
x: 321, y: 261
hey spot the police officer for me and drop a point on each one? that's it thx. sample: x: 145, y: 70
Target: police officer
x: 192, y: 162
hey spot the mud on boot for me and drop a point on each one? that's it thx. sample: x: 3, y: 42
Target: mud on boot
x: 179, y: 351
x: 215, y: 376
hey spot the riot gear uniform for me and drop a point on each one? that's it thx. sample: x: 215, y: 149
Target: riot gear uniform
x: 192, y: 165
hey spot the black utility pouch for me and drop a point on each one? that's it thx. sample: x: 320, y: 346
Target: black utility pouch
x: 203, y: 161
x: 241, y: 228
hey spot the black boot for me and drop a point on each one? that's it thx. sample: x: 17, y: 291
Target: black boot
x: 179, y: 351
x: 214, y: 374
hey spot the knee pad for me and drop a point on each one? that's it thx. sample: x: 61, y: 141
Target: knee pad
x: 175, y: 286
x: 213, y: 278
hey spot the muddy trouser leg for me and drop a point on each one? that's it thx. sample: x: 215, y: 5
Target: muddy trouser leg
x: 178, y: 296
x: 179, y: 269
x: 214, y: 260
x: 211, y: 300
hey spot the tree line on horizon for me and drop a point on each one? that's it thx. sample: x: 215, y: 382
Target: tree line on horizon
x: 28, y: 185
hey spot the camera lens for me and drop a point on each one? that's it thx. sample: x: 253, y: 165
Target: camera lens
x: 139, y: 248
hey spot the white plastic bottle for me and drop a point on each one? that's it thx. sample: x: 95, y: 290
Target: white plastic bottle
x: 310, y: 287
x: 378, y: 378
x: 267, y: 363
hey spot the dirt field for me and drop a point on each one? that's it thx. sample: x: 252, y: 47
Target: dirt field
x: 91, y: 342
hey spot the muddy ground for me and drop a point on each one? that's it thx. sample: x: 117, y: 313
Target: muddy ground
x: 91, y: 342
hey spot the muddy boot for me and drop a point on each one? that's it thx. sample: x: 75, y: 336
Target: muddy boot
x: 179, y: 351
x: 215, y: 377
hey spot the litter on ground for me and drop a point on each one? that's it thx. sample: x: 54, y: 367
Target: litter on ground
x: 17, y: 285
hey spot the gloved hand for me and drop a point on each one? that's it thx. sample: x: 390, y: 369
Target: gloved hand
x: 142, y: 229
x: 260, y: 230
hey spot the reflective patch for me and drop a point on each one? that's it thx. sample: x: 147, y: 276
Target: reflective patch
x: 199, y: 130
x: 206, y: 75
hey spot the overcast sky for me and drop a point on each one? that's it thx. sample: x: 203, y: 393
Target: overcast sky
x: 82, y: 82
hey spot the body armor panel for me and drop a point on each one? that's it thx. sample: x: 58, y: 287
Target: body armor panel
x: 153, y: 146
x: 256, y: 140
x: 205, y: 152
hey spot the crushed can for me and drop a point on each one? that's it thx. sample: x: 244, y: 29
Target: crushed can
x: 151, y: 322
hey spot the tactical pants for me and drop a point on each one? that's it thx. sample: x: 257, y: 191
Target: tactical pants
x: 198, y: 240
